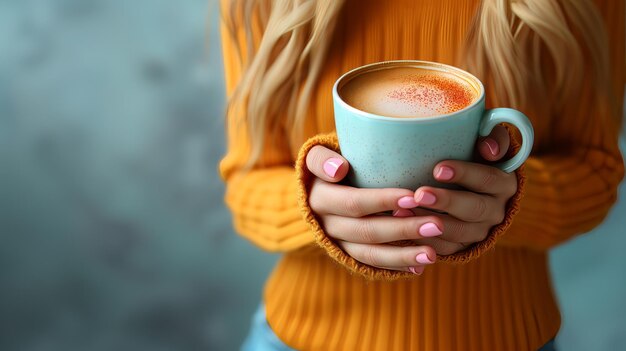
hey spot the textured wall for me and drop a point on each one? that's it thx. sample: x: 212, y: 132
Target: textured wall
x: 114, y: 236
x: 114, y: 233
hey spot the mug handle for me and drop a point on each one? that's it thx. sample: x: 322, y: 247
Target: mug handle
x: 493, y: 117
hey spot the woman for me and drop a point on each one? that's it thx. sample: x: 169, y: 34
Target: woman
x: 340, y: 285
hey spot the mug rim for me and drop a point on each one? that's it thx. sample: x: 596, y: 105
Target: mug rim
x: 411, y: 63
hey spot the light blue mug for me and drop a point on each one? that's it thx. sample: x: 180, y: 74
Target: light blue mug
x: 396, y: 152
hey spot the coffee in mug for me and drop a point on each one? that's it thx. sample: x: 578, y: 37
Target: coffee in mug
x: 408, y: 92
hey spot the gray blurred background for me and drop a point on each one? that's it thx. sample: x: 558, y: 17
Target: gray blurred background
x: 114, y: 233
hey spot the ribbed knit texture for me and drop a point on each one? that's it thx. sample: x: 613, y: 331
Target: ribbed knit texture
x: 318, y: 298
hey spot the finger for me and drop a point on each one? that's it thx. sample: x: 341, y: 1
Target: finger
x: 494, y: 146
x: 457, y: 231
x: 381, y: 229
x: 442, y: 247
x: 476, y: 177
x: 389, y: 256
x: 461, y: 204
x: 326, y: 164
x: 348, y: 201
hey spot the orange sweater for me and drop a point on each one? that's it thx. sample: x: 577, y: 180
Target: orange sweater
x: 318, y: 298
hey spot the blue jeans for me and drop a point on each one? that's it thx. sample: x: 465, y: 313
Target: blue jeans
x: 262, y: 338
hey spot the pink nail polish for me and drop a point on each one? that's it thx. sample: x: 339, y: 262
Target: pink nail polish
x: 426, y: 198
x: 445, y: 173
x: 493, y: 146
x: 403, y: 213
x: 331, y: 166
x: 430, y: 229
x: 407, y: 202
x: 423, y: 258
x: 417, y: 270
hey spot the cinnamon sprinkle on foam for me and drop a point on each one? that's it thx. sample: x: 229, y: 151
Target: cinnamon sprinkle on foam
x: 427, y: 90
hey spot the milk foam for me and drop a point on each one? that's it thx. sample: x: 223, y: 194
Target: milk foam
x: 408, y: 92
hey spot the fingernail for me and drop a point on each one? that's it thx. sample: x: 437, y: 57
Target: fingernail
x: 417, y: 270
x: 423, y: 258
x: 407, y: 202
x: 430, y: 229
x: 331, y: 166
x: 402, y: 213
x: 445, y: 173
x: 493, y: 146
x: 426, y: 198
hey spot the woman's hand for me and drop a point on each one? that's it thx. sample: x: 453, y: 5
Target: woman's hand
x: 349, y: 216
x: 470, y: 213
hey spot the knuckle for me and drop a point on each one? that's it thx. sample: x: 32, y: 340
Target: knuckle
x: 478, y: 233
x: 315, y: 203
x: 473, y: 234
x: 316, y: 200
x: 408, y: 258
x: 390, y: 199
x: 488, y: 179
x: 479, y: 210
x: 457, y: 231
x: 499, y: 215
x: 364, y: 231
x: 353, y: 206
x: 437, y: 245
x: 512, y: 189
x: 409, y: 230
x: 458, y: 247
x: 369, y: 256
x: 483, y: 233
x: 330, y: 227
x: 383, y: 202
x: 447, y: 249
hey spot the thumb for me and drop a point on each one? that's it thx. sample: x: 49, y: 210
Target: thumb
x: 494, y: 146
x: 326, y: 164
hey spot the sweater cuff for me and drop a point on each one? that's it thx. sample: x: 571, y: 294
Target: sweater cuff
x: 305, y: 179
x: 512, y: 207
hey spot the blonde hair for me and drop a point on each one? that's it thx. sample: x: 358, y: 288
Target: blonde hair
x: 506, y: 46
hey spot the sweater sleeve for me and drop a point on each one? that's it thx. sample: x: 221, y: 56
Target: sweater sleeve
x: 573, y: 182
x: 263, y: 199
